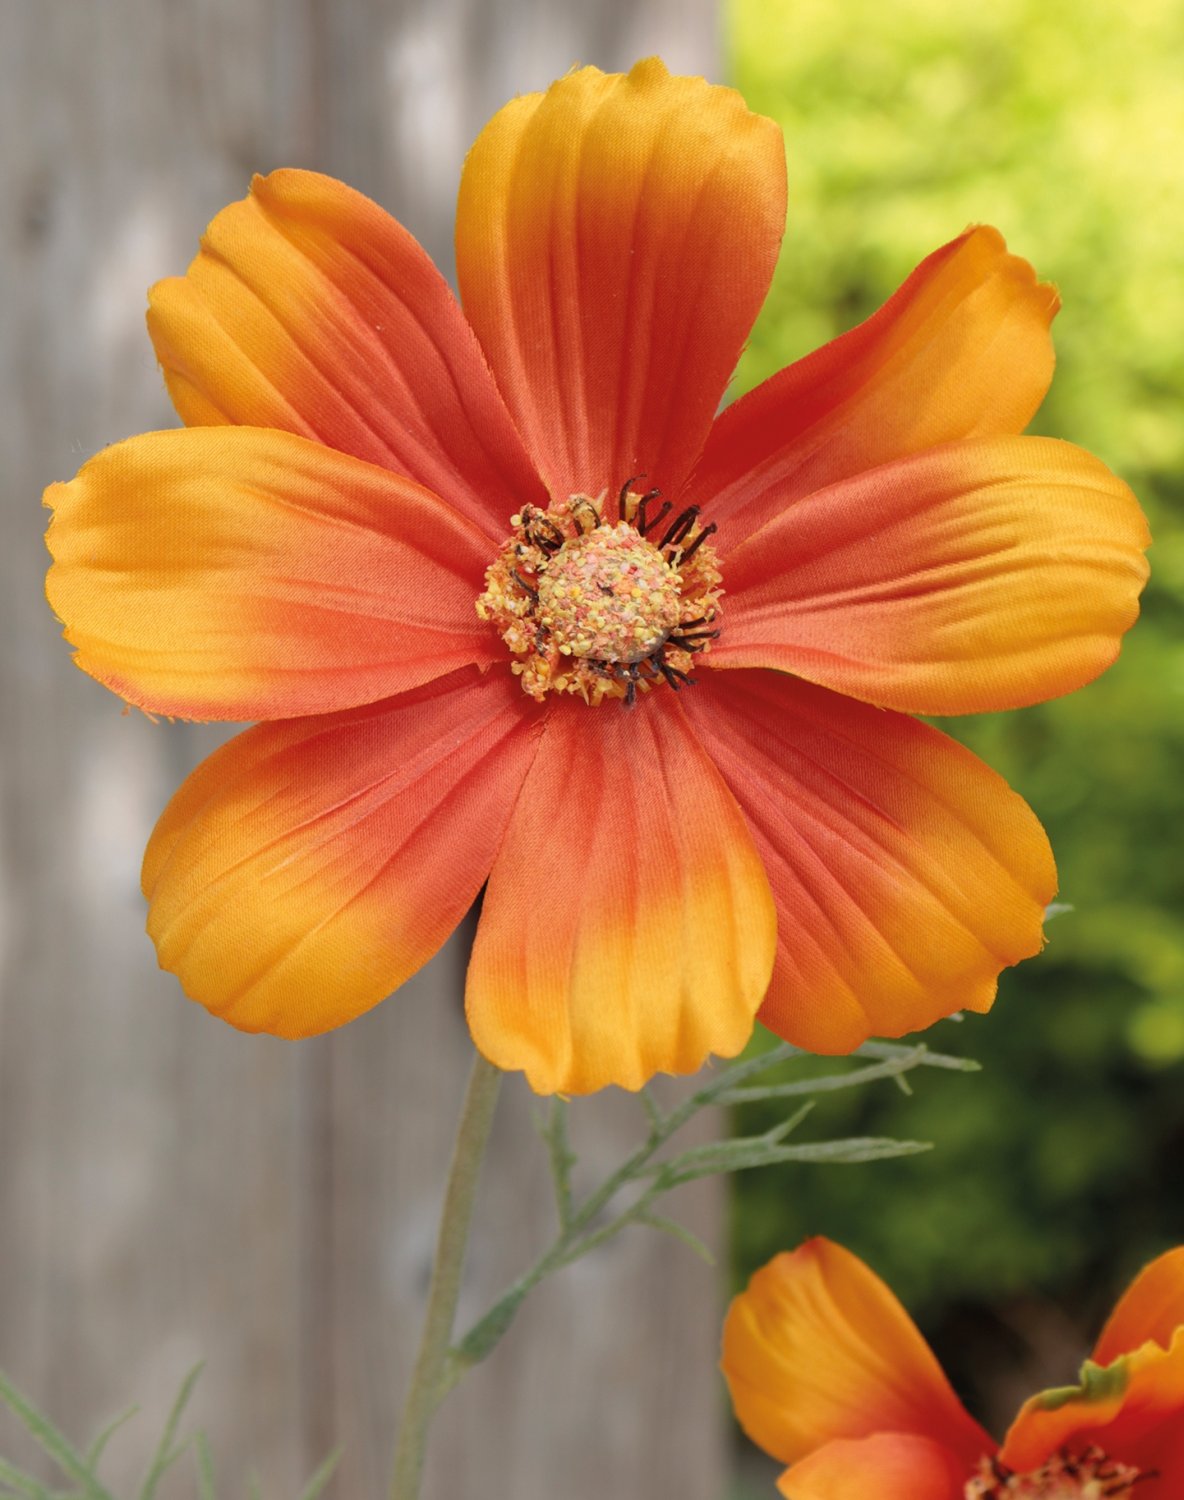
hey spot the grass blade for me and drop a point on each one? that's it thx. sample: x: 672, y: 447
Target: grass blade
x: 54, y: 1443
x: 322, y: 1476
x: 166, y: 1455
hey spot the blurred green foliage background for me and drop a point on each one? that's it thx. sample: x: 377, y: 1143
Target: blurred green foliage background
x: 1058, y: 1170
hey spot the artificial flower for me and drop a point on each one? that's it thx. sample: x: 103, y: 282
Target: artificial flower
x: 830, y: 1375
x: 519, y: 609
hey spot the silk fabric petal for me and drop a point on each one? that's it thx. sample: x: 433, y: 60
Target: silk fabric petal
x: 906, y: 873
x: 987, y: 574
x: 1150, y: 1310
x: 889, y: 1466
x: 308, y: 868
x: 818, y: 1348
x: 628, y: 927
x: 310, y: 309
x: 961, y: 350
x: 241, y: 573
x: 615, y: 238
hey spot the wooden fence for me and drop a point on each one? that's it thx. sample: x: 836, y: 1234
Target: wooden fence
x: 169, y: 1189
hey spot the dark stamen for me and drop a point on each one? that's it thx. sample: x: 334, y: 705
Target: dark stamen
x: 577, y: 511
x: 692, y: 643
x: 672, y: 675
x: 551, y: 539
x: 624, y: 495
x: 522, y: 583
x: 704, y: 533
x: 680, y: 526
x: 644, y: 521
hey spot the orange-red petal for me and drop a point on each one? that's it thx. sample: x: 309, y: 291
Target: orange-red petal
x: 961, y: 350
x: 308, y: 868
x: 987, y: 574
x: 627, y: 928
x: 818, y: 1349
x: 242, y: 573
x: 889, y: 1466
x: 906, y: 873
x: 1150, y: 1310
x: 1132, y: 1409
x: 615, y: 238
x: 310, y: 309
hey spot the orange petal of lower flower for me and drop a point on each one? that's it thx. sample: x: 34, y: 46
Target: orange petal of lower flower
x: 889, y: 1466
x: 309, y: 308
x: 906, y: 873
x: 961, y: 350
x: 308, y: 868
x: 983, y: 575
x: 1151, y: 1309
x: 241, y: 573
x: 628, y: 928
x: 818, y: 1349
x: 615, y: 238
x: 1132, y: 1409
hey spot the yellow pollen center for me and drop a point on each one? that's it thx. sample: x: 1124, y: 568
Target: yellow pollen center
x: 1091, y: 1475
x: 607, y: 610
x: 609, y: 595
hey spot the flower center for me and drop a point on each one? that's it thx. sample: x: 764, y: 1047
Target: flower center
x: 600, y: 608
x: 1091, y: 1475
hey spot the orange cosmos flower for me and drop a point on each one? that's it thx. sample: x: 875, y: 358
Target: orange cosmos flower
x: 830, y: 1375
x: 463, y: 563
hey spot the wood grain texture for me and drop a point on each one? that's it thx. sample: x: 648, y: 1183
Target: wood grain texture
x: 169, y: 1189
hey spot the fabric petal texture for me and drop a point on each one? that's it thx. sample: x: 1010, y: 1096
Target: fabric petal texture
x: 615, y: 239
x: 906, y: 873
x: 818, y: 1349
x: 961, y: 350
x: 308, y: 868
x: 628, y: 927
x: 987, y: 574
x: 310, y: 309
x: 888, y: 1466
x: 245, y: 573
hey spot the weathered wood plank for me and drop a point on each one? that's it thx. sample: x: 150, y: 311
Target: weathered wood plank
x: 170, y: 1190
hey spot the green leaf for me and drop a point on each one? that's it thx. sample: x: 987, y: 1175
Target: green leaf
x: 206, y: 1485
x: 680, y: 1232
x: 322, y: 1476
x: 98, y: 1447
x: 842, y: 1152
x: 54, y: 1443
x: 166, y: 1455
x: 720, y: 1154
x: 17, y: 1482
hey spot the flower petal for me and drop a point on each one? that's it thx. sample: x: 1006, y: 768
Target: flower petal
x: 308, y: 868
x: 961, y: 350
x: 241, y: 573
x: 310, y: 309
x: 1132, y: 1409
x: 628, y: 927
x: 906, y: 873
x: 1150, y: 1310
x: 889, y: 1466
x: 615, y: 238
x: 983, y: 575
x: 818, y: 1348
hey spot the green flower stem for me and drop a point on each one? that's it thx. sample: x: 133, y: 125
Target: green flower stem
x: 428, y: 1384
